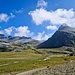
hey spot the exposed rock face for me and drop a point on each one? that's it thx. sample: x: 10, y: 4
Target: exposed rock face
x: 64, y: 36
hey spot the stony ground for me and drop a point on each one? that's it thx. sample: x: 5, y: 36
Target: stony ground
x: 66, y: 69
x: 31, y: 72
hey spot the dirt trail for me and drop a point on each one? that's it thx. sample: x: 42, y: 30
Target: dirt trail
x: 30, y: 72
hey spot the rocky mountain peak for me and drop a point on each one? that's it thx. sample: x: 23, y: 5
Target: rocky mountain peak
x: 66, y: 28
x: 63, y: 26
x: 64, y: 36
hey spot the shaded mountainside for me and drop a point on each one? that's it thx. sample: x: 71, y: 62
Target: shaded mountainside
x: 64, y: 36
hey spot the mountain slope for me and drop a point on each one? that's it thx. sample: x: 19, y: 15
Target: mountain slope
x: 64, y: 36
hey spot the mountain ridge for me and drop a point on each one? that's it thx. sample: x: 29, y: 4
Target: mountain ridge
x: 16, y: 39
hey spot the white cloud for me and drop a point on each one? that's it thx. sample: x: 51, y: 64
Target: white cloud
x: 56, y: 17
x: 22, y: 31
x: 42, y: 36
x: 11, y: 15
x: 17, y: 31
x: 39, y: 15
x: 9, y: 30
x: 42, y: 4
x: 18, y: 11
x: 51, y: 27
x: 5, y: 17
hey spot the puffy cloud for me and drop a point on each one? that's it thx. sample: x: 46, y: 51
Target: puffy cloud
x: 42, y: 3
x: 39, y: 15
x: 17, y: 31
x: 56, y: 17
x: 22, y: 31
x: 50, y: 27
x: 42, y: 36
x: 9, y: 30
x: 5, y: 17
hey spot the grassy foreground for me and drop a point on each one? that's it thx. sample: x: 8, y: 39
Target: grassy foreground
x: 16, y: 62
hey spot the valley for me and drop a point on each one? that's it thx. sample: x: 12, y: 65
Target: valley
x: 16, y: 62
x: 37, y: 37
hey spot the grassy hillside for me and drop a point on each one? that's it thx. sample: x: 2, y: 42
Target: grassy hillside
x: 16, y: 62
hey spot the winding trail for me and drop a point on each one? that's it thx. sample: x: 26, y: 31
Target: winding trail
x: 30, y: 72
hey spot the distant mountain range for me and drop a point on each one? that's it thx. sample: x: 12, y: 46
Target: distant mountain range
x: 16, y: 39
x: 64, y: 36
x: 16, y: 43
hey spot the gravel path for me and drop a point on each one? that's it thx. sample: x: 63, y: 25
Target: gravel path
x: 31, y: 71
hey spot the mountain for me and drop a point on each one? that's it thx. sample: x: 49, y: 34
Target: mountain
x: 16, y: 43
x: 64, y: 36
x: 16, y: 39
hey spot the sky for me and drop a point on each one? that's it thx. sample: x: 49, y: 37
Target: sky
x: 38, y: 19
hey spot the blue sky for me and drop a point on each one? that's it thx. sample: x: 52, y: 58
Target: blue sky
x: 38, y: 19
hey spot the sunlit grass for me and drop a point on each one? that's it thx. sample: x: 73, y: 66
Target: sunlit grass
x: 16, y: 62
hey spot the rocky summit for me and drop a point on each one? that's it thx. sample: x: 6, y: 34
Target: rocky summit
x: 64, y: 36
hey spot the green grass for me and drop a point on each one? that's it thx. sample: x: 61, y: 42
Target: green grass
x: 16, y: 62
